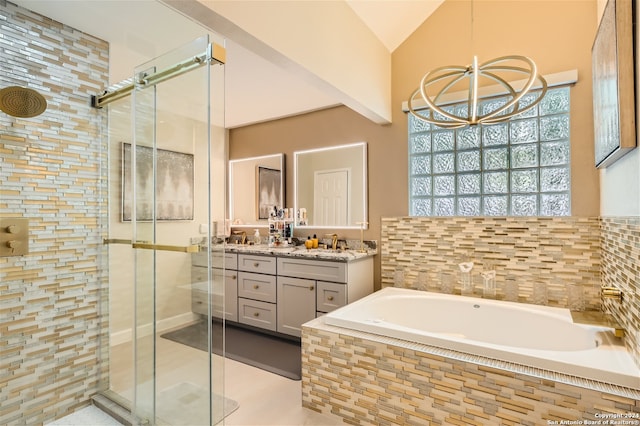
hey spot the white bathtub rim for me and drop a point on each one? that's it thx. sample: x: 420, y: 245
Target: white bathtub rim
x: 342, y: 317
x: 610, y: 363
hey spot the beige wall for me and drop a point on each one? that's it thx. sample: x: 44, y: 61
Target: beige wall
x: 173, y: 299
x: 334, y: 126
x: 557, y: 35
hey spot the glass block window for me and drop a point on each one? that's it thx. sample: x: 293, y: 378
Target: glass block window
x: 517, y: 168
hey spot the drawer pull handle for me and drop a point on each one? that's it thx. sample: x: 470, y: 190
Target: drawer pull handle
x: 311, y: 288
x: 330, y: 298
x: 256, y: 264
x: 233, y: 277
x: 256, y: 286
x: 256, y: 314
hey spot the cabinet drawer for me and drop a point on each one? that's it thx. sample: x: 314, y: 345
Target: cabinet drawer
x: 257, y: 286
x: 313, y: 269
x: 199, y: 302
x: 257, y: 314
x: 223, y: 304
x: 199, y: 274
x: 259, y: 264
x: 218, y: 259
x: 330, y: 296
x: 226, y: 260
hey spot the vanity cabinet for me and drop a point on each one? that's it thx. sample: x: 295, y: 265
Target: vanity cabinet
x: 224, y: 303
x: 329, y: 285
x: 257, y: 291
x: 276, y: 292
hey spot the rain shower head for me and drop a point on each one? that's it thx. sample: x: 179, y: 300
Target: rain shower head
x: 22, y: 102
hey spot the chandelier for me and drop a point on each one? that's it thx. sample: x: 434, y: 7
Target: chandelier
x: 494, y: 70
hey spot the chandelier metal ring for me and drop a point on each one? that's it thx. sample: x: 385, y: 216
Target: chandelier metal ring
x: 451, y: 75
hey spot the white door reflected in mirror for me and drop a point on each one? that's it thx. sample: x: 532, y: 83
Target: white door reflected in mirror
x: 331, y: 184
x: 331, y: 198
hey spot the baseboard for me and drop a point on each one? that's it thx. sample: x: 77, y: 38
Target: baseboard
x: 124, y: 336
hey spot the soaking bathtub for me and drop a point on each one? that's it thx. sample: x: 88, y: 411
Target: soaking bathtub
x: 541, y: 337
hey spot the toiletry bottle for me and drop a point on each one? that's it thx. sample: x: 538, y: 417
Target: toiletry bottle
x: 308, y: 243
x: 315, y: 241
x: 256, y: 237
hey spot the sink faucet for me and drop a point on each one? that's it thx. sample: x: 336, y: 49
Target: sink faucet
x: 334, y: 241
x: 611, y: 293
x: 243, y: 237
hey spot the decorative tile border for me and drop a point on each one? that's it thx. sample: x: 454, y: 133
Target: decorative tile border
x: 367, y: 381
x: 52, y: 301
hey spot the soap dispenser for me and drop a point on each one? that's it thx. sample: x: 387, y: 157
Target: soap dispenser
x: 308, y: 243
x: 256, y: 237
x: 315, y: 241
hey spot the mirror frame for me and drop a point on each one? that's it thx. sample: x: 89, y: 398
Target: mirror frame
x: 260, y: 223
x: 363, y: 223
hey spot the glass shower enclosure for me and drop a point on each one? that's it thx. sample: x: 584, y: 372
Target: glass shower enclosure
x: 166, y: 163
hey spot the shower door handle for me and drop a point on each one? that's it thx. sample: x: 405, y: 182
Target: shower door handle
x: 194, y: 248
x: 106, y: 241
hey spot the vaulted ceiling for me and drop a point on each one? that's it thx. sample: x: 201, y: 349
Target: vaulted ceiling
x: 256, y: 88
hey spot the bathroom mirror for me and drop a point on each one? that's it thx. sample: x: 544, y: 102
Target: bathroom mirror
x: 256, y: 185
x: 331, y: 185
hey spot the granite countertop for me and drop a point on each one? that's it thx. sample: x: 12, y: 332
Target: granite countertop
x: 302, y: 252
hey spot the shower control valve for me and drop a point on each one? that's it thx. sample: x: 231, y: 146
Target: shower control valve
x: 14, y: 236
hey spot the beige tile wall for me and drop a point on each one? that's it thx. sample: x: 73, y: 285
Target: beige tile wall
x: 621, y: 269
x: 52, y: 304
x: 369, y: 382
x: 559, y: 251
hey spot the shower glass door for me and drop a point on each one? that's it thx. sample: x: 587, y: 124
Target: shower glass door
x: 172, y: 189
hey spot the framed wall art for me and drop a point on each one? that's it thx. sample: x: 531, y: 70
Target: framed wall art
x: 613, y: 84
x: 268, y: 187
x: 174, y: 185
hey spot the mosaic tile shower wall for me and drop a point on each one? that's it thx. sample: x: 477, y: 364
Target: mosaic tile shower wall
x: 557, y: 251
x: 621, y: 269
x: 51, y: 311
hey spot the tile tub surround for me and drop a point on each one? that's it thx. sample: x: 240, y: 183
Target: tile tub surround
x: 557, y: 250
x: 621, y: 269
x: 591, y: 252
x: 52, y: 305
x: 367, y: 379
